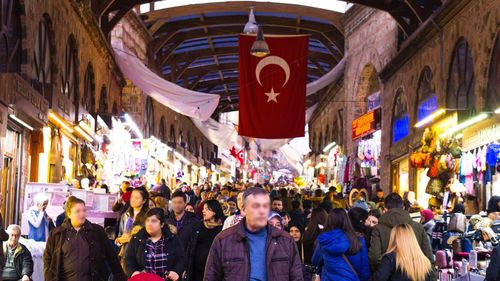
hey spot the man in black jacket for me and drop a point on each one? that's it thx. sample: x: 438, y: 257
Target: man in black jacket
x: 493, y: 271
x: 186, y: 223
x: 18, y: 261
x: 78, y: 250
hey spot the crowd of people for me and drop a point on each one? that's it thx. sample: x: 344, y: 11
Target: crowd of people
x: 238, y: 232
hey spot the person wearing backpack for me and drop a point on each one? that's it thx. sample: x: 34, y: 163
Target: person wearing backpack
x: 453, y: 237
x: 340, y: 251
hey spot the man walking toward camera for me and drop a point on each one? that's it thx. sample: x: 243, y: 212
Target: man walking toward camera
x: 254, y: 249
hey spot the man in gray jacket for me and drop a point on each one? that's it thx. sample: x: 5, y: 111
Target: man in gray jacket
x: 394, y: 215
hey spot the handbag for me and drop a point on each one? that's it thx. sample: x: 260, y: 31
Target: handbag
x: 350, y: 265
x: 308, y: 267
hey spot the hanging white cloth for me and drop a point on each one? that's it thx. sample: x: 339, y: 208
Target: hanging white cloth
x: 222, y: 135
x: 187, y: 102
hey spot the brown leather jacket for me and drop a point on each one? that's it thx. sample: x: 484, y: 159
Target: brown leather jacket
x: 229, y: 257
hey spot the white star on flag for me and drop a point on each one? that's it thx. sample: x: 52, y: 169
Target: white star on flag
x: 272, y: 96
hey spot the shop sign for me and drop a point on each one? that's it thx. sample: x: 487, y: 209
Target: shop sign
x: 480, y: 135
x: 159, y: 150
x: 29, y: 100
x: 3, y: 120
x: 18, y: 92
x: 373, y: 101
x: 366, y: 124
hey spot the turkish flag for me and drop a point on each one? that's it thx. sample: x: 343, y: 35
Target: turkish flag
x: 273, y: 88
x: 238, y: 154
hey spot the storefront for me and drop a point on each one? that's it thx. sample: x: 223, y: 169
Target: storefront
x: 22, y: 116
x: 363, y: 167
x: 480, y: 148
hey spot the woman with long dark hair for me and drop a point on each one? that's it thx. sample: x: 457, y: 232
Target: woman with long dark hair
x: 314, y: 228
x: 134, y: 218
x: 340, y: 251
x: 155, y: 249
x: 358, y: 216
x: 213, y: 218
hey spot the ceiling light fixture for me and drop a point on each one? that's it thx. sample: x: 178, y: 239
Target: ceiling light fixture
x: 251, y: 26
x: 260, y: 48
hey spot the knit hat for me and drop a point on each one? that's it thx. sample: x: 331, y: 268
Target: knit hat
x: 494, y: 204
x: 427, y: 214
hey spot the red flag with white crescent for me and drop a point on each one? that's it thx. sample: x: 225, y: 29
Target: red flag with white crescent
x: 272, y: 89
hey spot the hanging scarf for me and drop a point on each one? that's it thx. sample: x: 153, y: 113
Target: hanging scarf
x: 237, y: 219
x: 212, y: 224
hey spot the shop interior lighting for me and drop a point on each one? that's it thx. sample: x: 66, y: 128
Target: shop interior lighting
x: 329, y: 146
x: 497, y: 111
x: 84, y: 134
x: 465, y: 124
x: 15, y: 118
x: 431, y: 117
x: 133, y: 126
x: 56, y: 119
x: 322, y: 164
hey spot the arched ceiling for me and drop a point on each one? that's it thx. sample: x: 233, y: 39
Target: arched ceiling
x: 196, y: 46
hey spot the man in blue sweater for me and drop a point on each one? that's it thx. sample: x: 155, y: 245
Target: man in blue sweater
x: 253, y: 250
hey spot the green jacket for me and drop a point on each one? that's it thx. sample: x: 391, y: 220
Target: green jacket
x: 382, y: 233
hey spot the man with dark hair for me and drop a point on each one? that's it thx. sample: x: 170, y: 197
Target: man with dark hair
x: 277, y: 204
x: 253, y: 248
x: 297, y: 215
x: 394, y: 215
x: 185, y: 222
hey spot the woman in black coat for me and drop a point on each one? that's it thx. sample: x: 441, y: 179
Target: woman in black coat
x: 155, y: 249
x: 213, y: 218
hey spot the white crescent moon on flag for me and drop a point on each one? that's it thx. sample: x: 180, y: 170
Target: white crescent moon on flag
x: 272, y: 60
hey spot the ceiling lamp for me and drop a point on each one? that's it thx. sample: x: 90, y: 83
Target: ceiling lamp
x: 260, y: 48
x: 251, y: 26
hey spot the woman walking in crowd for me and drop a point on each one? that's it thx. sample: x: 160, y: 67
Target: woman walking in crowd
x: 358, y: 217
x: 296, y: 232
x: 133, y: 219
x: 155, y: 249
x: 341, y: 253
x: 313, y: 230
x: 202, y: 239
x: 79, y: 250
x: 404, y: 260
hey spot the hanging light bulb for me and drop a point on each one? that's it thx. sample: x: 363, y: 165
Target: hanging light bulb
x: 251, y: 26
x: 260, y: 48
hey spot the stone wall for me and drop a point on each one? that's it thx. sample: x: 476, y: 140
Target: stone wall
x: 72, y: 18
x: 371, y: 46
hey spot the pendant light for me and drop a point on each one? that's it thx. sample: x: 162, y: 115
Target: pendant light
x: 251, y: 26
x: 260, y: 48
